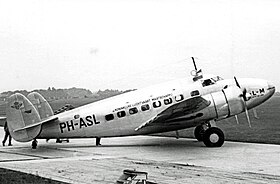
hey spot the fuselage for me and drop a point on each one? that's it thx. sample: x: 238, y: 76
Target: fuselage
x: 122, y: 114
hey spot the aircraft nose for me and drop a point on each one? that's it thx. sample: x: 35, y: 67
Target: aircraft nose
x: 271, y: 87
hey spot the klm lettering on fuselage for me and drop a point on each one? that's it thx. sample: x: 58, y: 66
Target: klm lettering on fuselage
x: 78, y: 123
x: 257, y: 93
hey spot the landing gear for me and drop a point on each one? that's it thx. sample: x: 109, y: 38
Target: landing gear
x: 199, y: 132
x: 213, y: 137
x: 34, y: 144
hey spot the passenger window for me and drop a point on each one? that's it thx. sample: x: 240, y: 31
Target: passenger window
x: 121, y: 114
x: 195, y: 93
x: 167, y: 101
x: 156, y: 104
x: 179, y: 98
x: 77, y: 116
x: 133, y: 110
x: 145, y: 107
x: 109, y: 117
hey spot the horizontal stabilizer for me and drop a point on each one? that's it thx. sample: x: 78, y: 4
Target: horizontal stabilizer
x: 36, y: 124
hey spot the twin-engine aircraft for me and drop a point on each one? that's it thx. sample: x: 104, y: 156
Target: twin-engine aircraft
x: 171, y: 106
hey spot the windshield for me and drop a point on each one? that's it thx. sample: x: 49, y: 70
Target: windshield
x: 217, y: 78
x: 211, y: 81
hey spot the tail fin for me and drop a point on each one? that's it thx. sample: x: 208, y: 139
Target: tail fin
x: 20, y: 113
x: 40, y: 103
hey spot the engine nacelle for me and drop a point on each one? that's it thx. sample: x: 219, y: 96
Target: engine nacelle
x: 228, y: 102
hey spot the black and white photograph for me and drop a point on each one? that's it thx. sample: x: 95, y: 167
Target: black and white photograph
x: 139, y: 91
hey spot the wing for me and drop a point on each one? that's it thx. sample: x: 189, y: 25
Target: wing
x: 183, y: 108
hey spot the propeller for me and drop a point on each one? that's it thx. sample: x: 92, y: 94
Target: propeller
x: 255, y: 114
x: 243, y: 95
x: 236, y: 118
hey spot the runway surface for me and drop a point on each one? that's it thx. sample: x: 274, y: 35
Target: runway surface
x: 167, y: 160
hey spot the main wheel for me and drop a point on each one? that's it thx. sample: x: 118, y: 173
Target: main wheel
x: 199, y: 132
x: 213, y: 137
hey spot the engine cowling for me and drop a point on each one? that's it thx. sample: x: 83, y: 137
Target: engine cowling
x: 228, y: 102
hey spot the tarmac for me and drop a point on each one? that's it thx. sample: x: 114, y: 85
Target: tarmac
x: 167, y: 160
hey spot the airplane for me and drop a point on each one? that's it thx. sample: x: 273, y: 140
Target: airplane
x: 198, y: 101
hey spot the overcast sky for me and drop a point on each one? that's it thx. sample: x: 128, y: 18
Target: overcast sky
x: 125, y: 44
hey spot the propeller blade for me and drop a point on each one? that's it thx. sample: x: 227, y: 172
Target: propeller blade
x: 247, y: 115
x: 236, y: 118
x: 255, y: 114
x: 244, y: 92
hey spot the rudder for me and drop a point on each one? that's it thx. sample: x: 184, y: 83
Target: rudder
x: 20, y: 113
x: 40, y: 103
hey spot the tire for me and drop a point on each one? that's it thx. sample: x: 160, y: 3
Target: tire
x: 213, y: 137
x: 199, y: 132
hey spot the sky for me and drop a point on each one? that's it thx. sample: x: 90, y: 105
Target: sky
x: 131, y: 44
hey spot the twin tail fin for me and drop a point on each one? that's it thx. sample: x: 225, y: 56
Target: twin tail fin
x: 25, y: 116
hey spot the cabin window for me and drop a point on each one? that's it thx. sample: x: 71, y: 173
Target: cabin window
x: 133, y: 110
x: 121, y: 114
x: 145, y: 107
x: 179, y: 98
x: 77, y: 116
x: 109, y: 117
x: 167, y: 101
x: 195, y: 93
x: 156, y: 104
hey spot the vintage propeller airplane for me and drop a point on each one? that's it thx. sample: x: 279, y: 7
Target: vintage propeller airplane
x: 189, y: 102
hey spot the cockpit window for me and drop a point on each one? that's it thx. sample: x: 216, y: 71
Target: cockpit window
x: 208, y: 82
x: 211, y: 81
